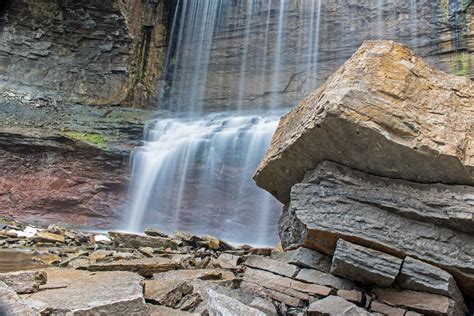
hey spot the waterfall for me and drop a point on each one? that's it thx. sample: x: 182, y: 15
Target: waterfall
x: 194, y: 169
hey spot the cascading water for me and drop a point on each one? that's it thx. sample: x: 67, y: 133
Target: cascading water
x: 194, y: 172
x: 232, y: 68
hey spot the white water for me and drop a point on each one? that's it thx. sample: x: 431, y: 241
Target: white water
x: 194, y: 172
x: 195, y: 175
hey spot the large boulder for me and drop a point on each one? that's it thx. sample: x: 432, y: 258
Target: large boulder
x: 385, y: 112
x: 338, y: 202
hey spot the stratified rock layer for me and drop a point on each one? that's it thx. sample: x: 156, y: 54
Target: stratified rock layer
x: 326, y: 208
x: 403, y: 118
x: 364, y: 265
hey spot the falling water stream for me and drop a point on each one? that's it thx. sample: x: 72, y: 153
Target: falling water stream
x: 194, y: 170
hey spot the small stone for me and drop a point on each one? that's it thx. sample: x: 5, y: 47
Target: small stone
x: 167, y: 293
x: 271, y: 265
x: 48, y: 259
x: 335, y: 306
x: 229, y: 261
x: 304, y: 258
x: 153, y: 232
x: 365, y: 265
x: 353, y: 296
x: 49, y: 237
x: 24, y: 281
x: 219, y: 305
x: 264, y: 305
x: 102, y: 239
x: 387, y: 309
x: 190, y: 302
x: 147, y: 251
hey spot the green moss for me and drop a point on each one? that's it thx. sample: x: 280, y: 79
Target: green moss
x: 460, y: 64
x: 94, y: 139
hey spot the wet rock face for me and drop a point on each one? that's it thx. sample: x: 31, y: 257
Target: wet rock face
x: 81, y: 52
x: 432, y: 28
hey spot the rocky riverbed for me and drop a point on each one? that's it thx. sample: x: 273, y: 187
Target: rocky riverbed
x: 83, y: 273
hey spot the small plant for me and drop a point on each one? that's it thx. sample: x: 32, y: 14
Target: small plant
x: 95, y: 139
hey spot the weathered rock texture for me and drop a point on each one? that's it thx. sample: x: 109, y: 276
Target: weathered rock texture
x: 419, y: 276
x: 403, y: 119
x: 67, y: 164
x: 84, y: 293
x: 24, y: 282
x: 104, y: 52
x: 438, y: 31
x: 364, y: 265
x: 323, y: 209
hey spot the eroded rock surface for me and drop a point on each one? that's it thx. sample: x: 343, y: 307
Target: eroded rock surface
x: 83, y: 293
x: 403, y: 118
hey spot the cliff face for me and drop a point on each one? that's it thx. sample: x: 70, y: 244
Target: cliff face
x: 441, y: 32
x: 94, y: 53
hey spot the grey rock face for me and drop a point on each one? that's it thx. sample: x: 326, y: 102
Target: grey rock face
x: 364, y: 265
x: 420, y: 276
x: 24, y: 281
x: 328, y: 211
x: 304, y: 258
x: 343, y: 25
x: 83, y: 52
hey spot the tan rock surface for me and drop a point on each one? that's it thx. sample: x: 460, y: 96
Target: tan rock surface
x: 385, y: 112
x: 84, y: 293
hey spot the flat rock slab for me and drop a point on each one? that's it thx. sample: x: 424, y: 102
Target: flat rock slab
x: 219, y: 304
x: 271, y: 265
x: 145, y: 267
x: 24, y: 281
x: 425, y: 303
x: 84, y: 293
x: 335, y: 306
x: 364, y: 265
x: 12, y: 304
x: 49, y: 237
x: 283, y: 289
x: 326, y: 279
x: 420, y: 276
x: 304, y: 258
x: 385, y: 112
x: 137, y: 241
x: 320, y: 213
x: 211, y: 275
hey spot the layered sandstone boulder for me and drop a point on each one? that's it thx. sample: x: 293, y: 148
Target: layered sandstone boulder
x: 384, y: 112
